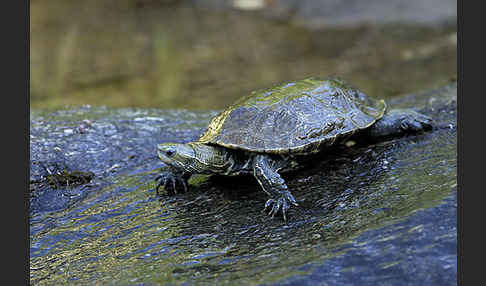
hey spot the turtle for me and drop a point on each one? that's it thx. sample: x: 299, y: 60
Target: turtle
x: 275, y: 130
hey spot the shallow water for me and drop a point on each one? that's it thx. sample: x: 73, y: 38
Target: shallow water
x: 375, y: 214
x: 173, y: 54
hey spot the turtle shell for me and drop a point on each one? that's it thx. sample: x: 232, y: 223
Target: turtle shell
x: 296, y: 117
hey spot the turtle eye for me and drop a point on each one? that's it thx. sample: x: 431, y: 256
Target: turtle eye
x: 170, y: 152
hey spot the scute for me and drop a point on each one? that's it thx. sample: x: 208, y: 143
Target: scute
x: 294, y: 117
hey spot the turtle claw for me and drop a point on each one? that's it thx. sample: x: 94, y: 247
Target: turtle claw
x: 282, y: 203
x: 170, y: 182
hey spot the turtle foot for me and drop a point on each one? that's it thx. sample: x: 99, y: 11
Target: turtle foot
x: 414, y: 122
x: 397, y: 122
x: 171, y: 183
x: 282, y: 203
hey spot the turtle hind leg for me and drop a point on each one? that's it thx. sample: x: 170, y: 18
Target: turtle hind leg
x: 272, y: 183
x: 398, y: 122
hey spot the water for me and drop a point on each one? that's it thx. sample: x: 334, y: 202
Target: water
x: 175, y: 54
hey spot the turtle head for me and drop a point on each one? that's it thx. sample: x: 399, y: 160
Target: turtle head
x: 195, y: 157
x: 179, y: 156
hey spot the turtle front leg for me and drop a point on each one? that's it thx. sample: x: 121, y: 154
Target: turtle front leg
x: 172, y: 180
x: 266, y: 173
x: 399, y: 122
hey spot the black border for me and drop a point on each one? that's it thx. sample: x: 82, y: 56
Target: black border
x: 470, y: 166
x: 24, y: 52
x: 460, y: 190
x: 26, y: 75
x: 15, y: 24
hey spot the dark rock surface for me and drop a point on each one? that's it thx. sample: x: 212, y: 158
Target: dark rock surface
x: 104, y: 141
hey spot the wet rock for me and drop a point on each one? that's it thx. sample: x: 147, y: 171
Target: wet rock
x: 367, y: 213
x: 103, y: 142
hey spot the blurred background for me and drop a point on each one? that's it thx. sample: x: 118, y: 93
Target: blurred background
x: 203, y: 55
